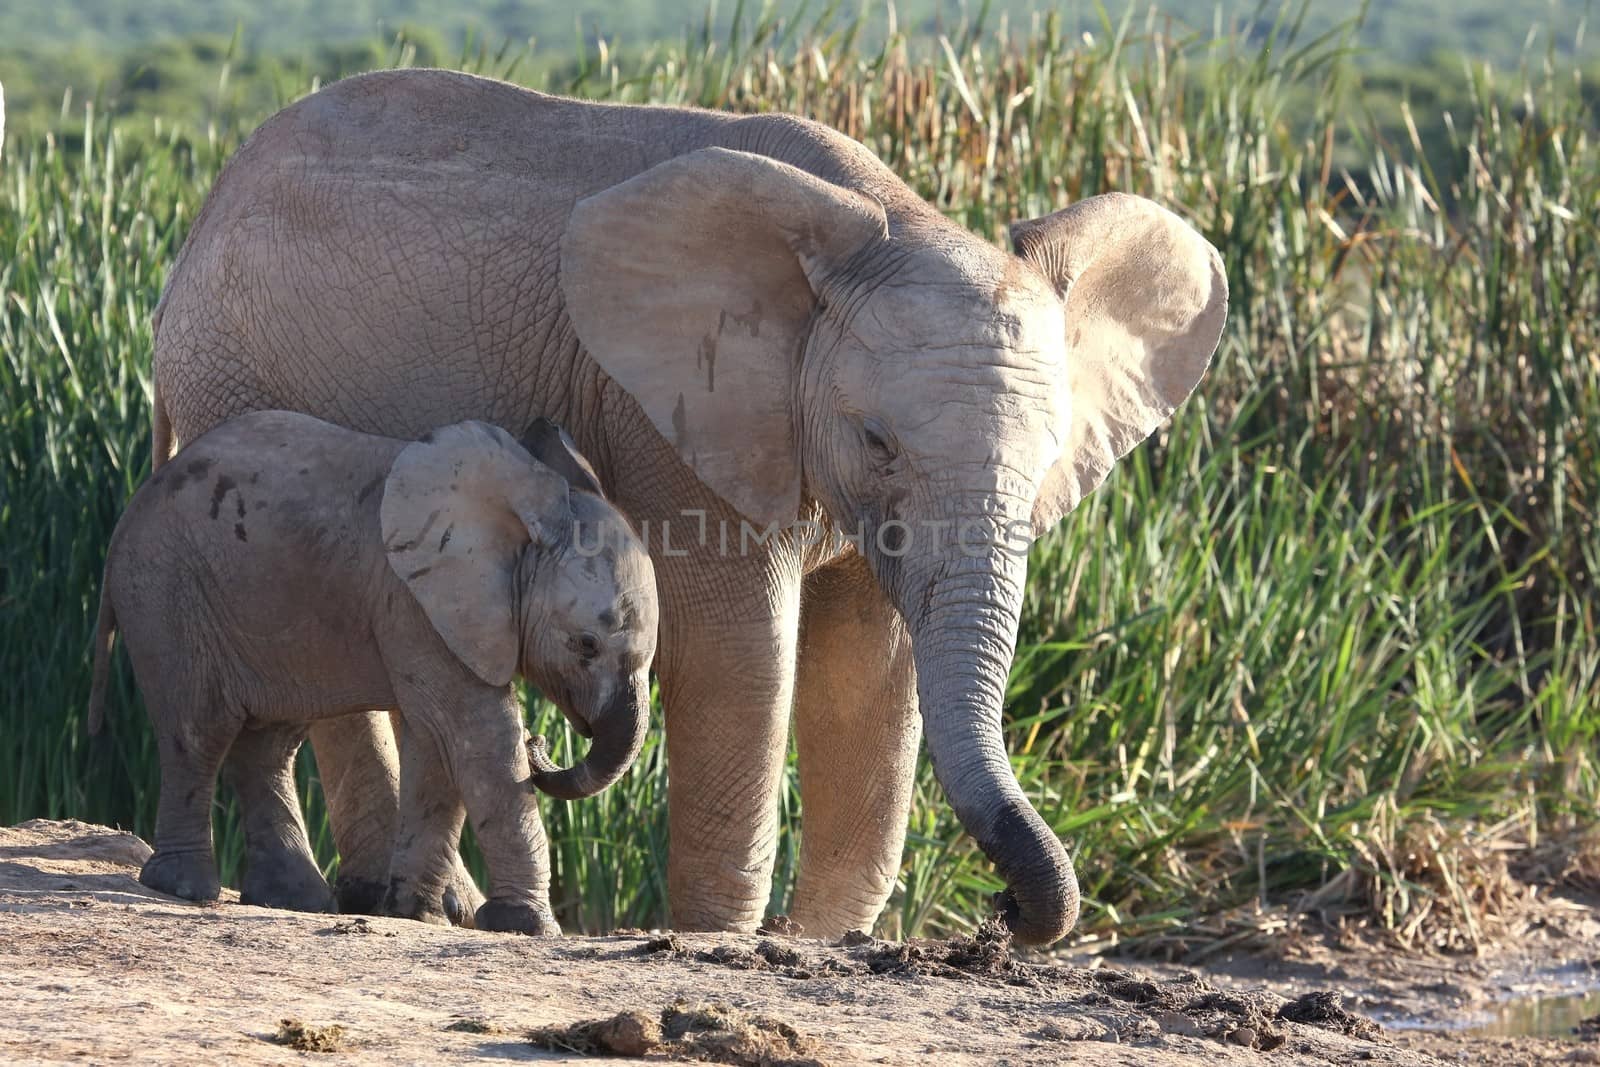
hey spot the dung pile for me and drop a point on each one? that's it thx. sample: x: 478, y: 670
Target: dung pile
x: 707, y: 1032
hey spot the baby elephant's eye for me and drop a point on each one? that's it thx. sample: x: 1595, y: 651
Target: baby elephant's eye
x: 587, y: 645
x: 880, y: 442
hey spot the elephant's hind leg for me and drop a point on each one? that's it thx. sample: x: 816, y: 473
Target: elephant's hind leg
x: 192, y: 746
x: 857, y: 730
x: 280, y: 871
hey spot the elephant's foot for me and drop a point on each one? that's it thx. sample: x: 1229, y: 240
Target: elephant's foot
x: 829, y: 924
x: 518, y: 917
x: 190, y: 875
x: 361, y: 896
x: 458, y: 913
x: 462, y: 897
x: 457, y: 906
x: 402, y: 901
x: 291, y: 882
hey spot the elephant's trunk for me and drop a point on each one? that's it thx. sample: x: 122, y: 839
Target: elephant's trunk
x: 619, y: 734
x: 963, y: 623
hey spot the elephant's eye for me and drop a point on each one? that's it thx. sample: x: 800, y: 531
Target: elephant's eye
x: 586, y: 645
x: 878, y: 439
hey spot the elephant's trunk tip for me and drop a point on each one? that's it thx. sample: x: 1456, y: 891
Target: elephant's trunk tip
x: 1040, y: 901
x: 612, y: 752
x: 1058, y: 920
x: 544, y: 768
x: 539, y: 755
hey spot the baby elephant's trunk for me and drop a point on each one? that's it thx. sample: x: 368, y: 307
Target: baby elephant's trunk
x: 618, y: 737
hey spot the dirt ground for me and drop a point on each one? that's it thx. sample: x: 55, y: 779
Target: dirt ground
x: 98, y: 969
x: 1542, y: 975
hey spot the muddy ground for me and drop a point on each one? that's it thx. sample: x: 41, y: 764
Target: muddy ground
x: 1541, y: 976
x: 98, y: 969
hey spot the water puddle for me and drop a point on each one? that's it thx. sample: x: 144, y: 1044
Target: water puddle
x: 1551, y: 1005
x: 1556, y: 1016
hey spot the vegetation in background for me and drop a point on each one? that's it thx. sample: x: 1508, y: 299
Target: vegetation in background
x: 1405, y: 30
x: 1344, y: 604
x: 163, y: 57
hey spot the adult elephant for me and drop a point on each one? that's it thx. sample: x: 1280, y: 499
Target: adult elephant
x: 748, y: 324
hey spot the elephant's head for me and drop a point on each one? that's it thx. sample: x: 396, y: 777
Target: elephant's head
x: 522, y: 567
x: 945, y: 399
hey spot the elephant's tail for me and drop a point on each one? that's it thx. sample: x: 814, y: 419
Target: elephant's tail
x: 105, y: 631
x: 160, y: 428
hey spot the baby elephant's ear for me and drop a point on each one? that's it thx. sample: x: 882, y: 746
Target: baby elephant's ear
x: 458, y: 508
x: 553, y: 446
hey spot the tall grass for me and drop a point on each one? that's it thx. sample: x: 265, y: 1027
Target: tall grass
x: 1347, y: 596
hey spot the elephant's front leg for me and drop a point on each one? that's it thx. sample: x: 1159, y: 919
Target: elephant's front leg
x: 726, y: 667
x: 429, y: 831
x: 857, y: 730
x: 360, y: 770
x: 478, y: 732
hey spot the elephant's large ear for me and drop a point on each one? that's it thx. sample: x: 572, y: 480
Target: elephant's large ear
x: 1146, y: 297
x: 458, y: 507
x: 692, y: 285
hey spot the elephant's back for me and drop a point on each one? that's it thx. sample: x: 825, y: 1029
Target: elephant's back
x: 383, y: 252
x: 267, y: 489
x: 452, y: 128
x: 260, y: 544
x: 480, y: 144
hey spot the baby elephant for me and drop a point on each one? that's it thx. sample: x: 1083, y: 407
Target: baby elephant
x: 281, y: 570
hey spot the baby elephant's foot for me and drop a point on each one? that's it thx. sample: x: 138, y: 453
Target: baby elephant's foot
x: 295, y: 886
x: 518, y: 917
x: 404, y: 902
x: 458, y: 913
x: 190, y: 875
x: 462, y: 898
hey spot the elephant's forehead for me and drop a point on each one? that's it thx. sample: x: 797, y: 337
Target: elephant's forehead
x: 981, y: 346
x: 611, y: 548
x: 613, y: 587
x: 937, y: 302
x: 1021, y: 429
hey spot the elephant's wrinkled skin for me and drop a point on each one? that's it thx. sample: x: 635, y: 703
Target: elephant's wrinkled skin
x: 283, y: 570
x: 739, y: 319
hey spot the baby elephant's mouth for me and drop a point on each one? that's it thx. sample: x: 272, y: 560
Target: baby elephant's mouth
x: 567, y: 701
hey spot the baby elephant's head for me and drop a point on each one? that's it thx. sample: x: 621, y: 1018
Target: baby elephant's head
x: 523, y: 567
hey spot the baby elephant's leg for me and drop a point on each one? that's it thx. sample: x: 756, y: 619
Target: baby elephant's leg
x: 192, y: 742
x: 491, y: 768
x: 462, y: 897
x: 423, y: 864
x: 481, y: 741
x: 280, y: 871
